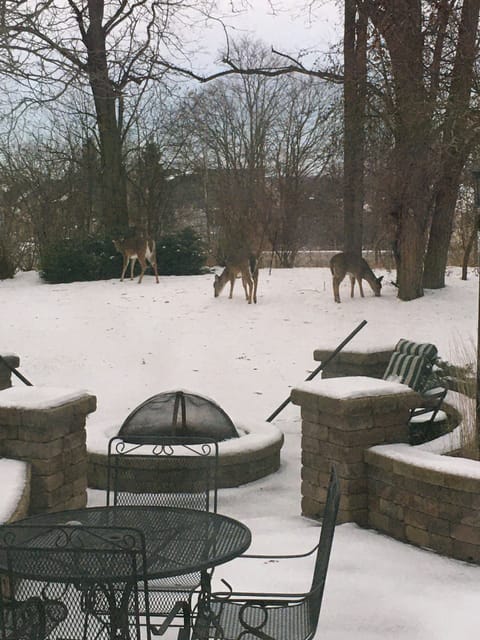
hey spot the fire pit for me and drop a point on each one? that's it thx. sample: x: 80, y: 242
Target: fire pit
x: 179, y: 414
x: 246, y: 452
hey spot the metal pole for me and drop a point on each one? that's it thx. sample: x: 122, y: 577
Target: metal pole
x: 319, y: 368
x: 17, y: 373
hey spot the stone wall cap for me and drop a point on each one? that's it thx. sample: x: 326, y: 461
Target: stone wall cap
x: 444, y: 465
x: 350, y: 387
x: 39, y: 397
x: 370, y: 353
x: 254, y: 436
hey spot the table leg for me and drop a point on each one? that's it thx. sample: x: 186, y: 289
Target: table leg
x: 116, y: 600
x: 206, y: 622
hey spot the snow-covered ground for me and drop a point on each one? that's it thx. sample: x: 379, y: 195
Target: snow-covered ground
x: 124, y: 343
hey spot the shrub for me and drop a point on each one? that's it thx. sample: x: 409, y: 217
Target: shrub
x: 93, y: 258
x: 180, y: 254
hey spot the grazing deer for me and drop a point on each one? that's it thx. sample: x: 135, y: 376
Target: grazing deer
x: 358, y: 269
x: 248, y: 269
x: 135, y: 248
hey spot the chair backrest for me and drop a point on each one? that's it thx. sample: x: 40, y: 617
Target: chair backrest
x: 411, y: 363
x: 51, y: 577
x: 32, y: 619
x: 324, y: 548
x: 169, y: 472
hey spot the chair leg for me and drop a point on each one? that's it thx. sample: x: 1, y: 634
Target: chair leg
x: 183, y: 633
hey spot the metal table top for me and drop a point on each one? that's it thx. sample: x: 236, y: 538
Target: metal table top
x: 177, y: 541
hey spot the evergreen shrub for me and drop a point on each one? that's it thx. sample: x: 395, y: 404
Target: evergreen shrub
x: 181, y: 254
x: 73, y: 260
x: 95, y: 258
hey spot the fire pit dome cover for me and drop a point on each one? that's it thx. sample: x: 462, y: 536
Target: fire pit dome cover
x: 177, y: 414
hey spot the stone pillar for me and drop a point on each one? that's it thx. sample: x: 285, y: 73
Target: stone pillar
x: 5, y: 373
x: 354, y: 363
x: 341, y: 417
x: 46, y: 427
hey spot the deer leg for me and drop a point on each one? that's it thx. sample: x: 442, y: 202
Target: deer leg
x: 248, y: 286
x: 143, y: 264
x: 336, y: 291
x: 132, y: 267
x: 255, y: 283
x: 352, y: 285
x: 125, y: 265
x: 232, y: 282
x: 359, y: 280
x: 153, y: 262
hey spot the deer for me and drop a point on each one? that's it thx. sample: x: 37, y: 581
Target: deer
x: 135, y: 248
x: 358, y: 270
x: 247, y: 268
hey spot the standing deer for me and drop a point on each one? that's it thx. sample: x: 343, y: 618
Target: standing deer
x: 358, y: 269
x: 248, y: 269
x: 135, y: 248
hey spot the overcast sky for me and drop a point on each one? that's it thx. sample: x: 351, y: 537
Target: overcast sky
x: 291, y: 29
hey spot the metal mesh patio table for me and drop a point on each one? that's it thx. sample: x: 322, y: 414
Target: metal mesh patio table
x: 177, y: 541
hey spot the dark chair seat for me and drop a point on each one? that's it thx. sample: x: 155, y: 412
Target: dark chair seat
x: 276, y: 618
x: 424, y: 420
x: 237, y: 615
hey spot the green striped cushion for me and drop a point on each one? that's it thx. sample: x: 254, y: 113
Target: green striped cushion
x: 425, y: 349
x: 407, y: 369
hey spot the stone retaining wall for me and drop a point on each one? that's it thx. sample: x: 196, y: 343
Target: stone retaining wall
x: 46, y: 428
x: 354, y: 363
x: 411, y: 493
x: 428, y: 500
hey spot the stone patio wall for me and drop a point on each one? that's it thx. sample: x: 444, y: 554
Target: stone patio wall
x: 46, y: 428
x: 410, y: 493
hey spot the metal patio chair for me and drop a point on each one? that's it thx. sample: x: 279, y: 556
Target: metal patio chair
x: 71, y: 581
x: 423, y: 422
x: 274, y: 616
x: 32, y: 619
x: 411, y: 363
x: 169, y: 472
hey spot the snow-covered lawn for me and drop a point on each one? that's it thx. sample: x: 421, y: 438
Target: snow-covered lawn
x: 124, y: 343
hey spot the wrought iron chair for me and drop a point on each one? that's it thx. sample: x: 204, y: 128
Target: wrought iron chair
x: 32, y: 619
x: 423, y: 420
x: 165, y: 471
x: 274, y: 616
x: 71, y: 582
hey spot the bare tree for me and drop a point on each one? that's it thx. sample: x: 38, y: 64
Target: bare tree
x: 302, y: 147
x: 113, y: 48
x: 233, y: 122
x: 458, y: 139
x: 421, y: 41
x: 354, y: 92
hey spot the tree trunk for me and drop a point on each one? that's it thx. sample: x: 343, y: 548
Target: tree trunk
x: 400, y: 23
x: 355, y: 38
x: 441, y: 227
x: 114, y: 185
x: 469, y: 247
x: 456, y: 133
